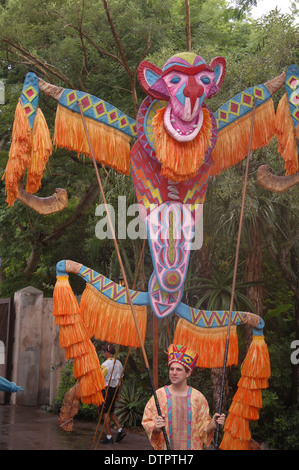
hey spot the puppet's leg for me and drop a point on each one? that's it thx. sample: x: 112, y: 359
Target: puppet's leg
x: 206, y: 332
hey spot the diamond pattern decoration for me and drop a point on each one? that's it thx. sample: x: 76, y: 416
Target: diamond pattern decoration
x: 294, y: 98
x: 240, y: 105
x: 30, y: 93
x: 223, y: 116
x: 100, y: 109
x: 296, y: 114
x: 234, y: 108
x: 112, y: 116
x: 259, y: 93
x: 71, y: 98
x: 247, y: 100
x: 133, y: 128
x: 293, y: 82
x: 29, y: 109
x: 86, y: 102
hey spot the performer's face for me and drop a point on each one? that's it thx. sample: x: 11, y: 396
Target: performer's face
x: 178, y: 373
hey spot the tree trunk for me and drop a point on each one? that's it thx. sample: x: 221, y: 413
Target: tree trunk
x: 216, y: 376
x: 188, y: 25
x: 253, y: 273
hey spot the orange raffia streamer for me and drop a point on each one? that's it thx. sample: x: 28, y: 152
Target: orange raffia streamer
x: 19, y: 154
x: 74, y: 337
x: 41, y: 150
x: 111, y: 321
x: 181, y: 160
x: 209, y: 343
x: 286, y: 136
x: 255, y: 372
x: 111, y: 147
x: 232, y: 141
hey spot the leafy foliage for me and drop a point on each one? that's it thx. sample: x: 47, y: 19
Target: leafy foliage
x: 129, y: 408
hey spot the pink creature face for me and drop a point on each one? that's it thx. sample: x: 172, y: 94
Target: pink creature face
x: 187, y: 92
x: 185, y: 82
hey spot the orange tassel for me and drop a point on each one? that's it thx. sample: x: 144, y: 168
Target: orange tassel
x: 231, y: 443
x: 233, y: 140
x: 181, y: 160
x: 111, y: 147
x: 286, y: 136
x: 19, y: 154
x: 245, y: 411
x: 40, y: 152
x: 110, y: 321
x: 249, y: 397
x: 209, y: 343
x: 257, y: 362
x: 74, y: 337
x: 247, y: 401
x: 253, y: 383
x: 238, y: 427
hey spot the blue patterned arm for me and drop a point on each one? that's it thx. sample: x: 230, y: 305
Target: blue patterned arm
x: 219, y: 318
x: 108, y: 288
x: 234, y: 121
x: 7, y: 386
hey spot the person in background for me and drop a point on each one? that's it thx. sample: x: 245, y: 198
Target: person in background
x: 112, y: 370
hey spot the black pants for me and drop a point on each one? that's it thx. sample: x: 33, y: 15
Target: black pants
x: 110, y: 399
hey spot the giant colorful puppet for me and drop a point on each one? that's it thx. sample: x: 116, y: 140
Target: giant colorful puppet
x: 179, y: 145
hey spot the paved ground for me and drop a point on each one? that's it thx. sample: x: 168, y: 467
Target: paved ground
x: 29, y: 428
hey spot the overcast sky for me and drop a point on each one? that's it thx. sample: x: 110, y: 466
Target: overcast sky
x: 264, y: 6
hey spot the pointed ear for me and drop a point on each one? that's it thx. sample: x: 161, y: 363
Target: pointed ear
x: 219, y: 66
x: 149, y: 77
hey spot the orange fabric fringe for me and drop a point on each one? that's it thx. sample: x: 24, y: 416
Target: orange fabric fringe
x: 40, y: 152
x: 286, y: 136
x: 110, y: 146
x: 19, y: 154
x: 109, y: 321
x: 74, y: 337
x: 209, y: 343
x: 233, y: 141
x: 247, y: 401
x: 29, y: 150
x: 181, y: 160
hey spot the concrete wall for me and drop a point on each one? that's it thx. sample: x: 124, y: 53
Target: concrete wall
x: 37, y: 356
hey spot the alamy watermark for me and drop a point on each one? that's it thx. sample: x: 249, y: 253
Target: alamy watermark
x: 2, y: 92
x: 127, y: 223
x: 295, y: 354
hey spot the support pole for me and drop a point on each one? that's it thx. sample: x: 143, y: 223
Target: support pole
x: 123, y: 273
x: 156, y: 351
x: 235, y: 276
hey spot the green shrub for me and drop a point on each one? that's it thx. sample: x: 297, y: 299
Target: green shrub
x: 129, y: 408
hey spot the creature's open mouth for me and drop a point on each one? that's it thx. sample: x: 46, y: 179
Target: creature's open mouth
x: 183, y: 131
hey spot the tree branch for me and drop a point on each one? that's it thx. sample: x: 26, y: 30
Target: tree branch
x: 39, y: 63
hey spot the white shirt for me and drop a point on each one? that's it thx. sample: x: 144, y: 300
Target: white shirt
x: 107, y: 367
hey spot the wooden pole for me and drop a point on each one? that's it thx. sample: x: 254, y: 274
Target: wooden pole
x: 123, y: 272
x: 156, y: 351
x: 235, y: 274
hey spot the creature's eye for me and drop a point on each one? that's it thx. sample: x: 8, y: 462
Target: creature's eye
x: 205, y: 80
x: 175, y: 79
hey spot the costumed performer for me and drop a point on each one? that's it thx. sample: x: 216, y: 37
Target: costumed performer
x: 185, y: 410
x: 112, y: 370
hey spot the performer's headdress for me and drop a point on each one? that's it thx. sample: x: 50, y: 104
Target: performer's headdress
x: 183, y: 355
